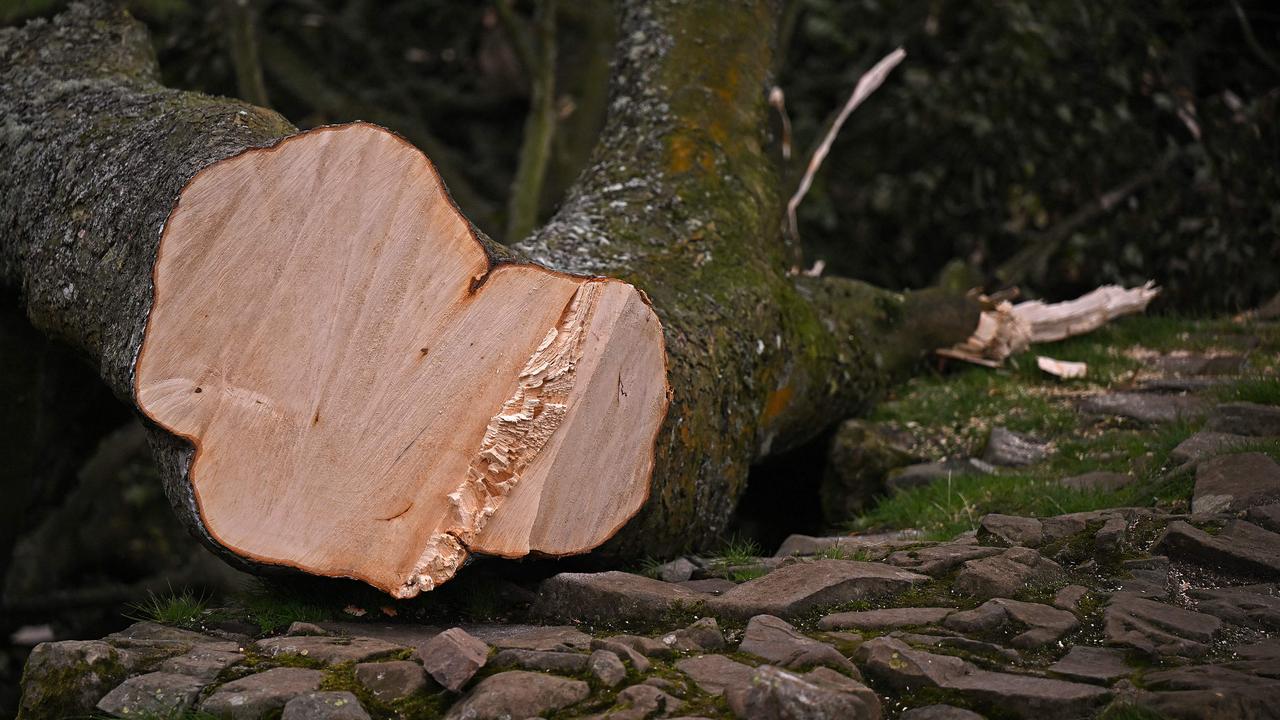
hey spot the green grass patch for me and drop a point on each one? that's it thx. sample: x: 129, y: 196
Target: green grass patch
x: 183, y: 609
x: 274, y: 608
x: 1263, y: 390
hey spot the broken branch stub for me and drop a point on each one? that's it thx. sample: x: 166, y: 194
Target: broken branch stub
x: 373, y: 391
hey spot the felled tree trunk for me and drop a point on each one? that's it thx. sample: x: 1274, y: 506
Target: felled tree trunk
x: 344, y: 377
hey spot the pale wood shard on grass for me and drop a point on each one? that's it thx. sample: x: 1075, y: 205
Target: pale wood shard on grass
x: 371, y: 392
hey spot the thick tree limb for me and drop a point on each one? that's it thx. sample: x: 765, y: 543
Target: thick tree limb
x: 679, y: 199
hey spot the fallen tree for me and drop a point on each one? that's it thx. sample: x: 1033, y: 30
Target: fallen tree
x: 343, y: 376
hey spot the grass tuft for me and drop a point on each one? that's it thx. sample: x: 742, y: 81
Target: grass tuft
x: 183, y: 609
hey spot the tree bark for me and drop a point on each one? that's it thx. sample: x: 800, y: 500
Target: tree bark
x: 680, y: 199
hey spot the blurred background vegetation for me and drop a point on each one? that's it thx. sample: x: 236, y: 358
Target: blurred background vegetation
x: 1055, y: 144
x: 1051, y: 144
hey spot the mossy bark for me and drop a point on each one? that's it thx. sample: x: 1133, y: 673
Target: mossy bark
x: 680, y: 198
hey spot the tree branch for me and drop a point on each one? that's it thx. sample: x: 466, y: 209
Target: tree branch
x: 539, y: 129
x: 242, y: 35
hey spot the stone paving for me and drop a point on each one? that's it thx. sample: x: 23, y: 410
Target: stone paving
x: 1054, y: 617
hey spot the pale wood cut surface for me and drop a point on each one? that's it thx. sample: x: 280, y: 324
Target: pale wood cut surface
x: 357, y: 410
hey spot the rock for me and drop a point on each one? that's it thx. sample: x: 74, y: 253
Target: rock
x: 677, y: 570
x: 545, y: 638
x: 1013, y: 449
x: 252, y: 697
x: 328, y: 650
x: 776, y: 694
x: 860, y: 457
x: 901, y: 667
x: 709, y: 586
x: 297, y: 627
x: 624, y: 652
x: 1206, y: 444
x: 1245, y: 418
x: 1156, y: 628
x: 1007, y: 530
x: 702, y: 636
x: 546, y: 661
x: 1005, y: 574
x: 883, y: 619
x: 851, y: 544
x: 607, y: 668
x: 650, y: 647
x: 922, y: 474
x: 324, y: 706
x: 453, y: 657
x: 939, y: 712
x: 150, y: 634
x: 1111, y: 535
x: 68, y: 678
x: 1146, y: 407
x: 936, y: 560
x: 393, y: 680
x: 518, y: 694
x: 1043, y: 624
x: 1252, y: 606
x: 641, y: 702
x: 969, y: 645
x: 156, y: 694
x: 1210, y: 691
x: 205, y: 662
x: 1231, y: 483
x: 1265, y: 516
x: 1101, y: 480
x: 718, y: 675
x: 611, y: 596
x: 1069, y: 597
x: 796, y: 589
x: 1147, y: 577
x: 1092, y: 664
x: 776, y: 641
x: 1241, y: 547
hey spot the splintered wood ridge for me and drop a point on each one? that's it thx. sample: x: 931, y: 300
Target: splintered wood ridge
x: 512, y: 439
x: 359, y: 405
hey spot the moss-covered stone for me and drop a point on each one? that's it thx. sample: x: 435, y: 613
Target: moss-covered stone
x: 68, y: 678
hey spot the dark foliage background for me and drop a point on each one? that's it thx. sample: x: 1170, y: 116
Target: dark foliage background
x: 996, y: 142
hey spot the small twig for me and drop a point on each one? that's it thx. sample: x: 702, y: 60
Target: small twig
x: 779, y: 102
x: 867, y: 84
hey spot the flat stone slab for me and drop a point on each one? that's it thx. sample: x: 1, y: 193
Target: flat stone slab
x: 1013, y: 449
x: 252, y: 697
x: 205, y: 662
x: 1206, y: 444
x: 717, y: 674
x: 775, y: 640
x: 1010, y: 530
x: 393, y: 680
x: 796, y: 589
x: 1040, y: 624
x: 1157, y: 628
x: 1245, y: 418
x: 811, y: 545
x: 1209, y: 691
x: 940, y: 712
x: 333, y: 705
x: 898, y: 665
x: 328, y: 650
x: 1005, y: 574
x: 453, y: 657
x: 936, y: 560
x: 150, y: 634
x: 1231, y: 483
x: 1252, y: 606
x: 776, y: 694
x: 922, y: 474
x: 1150, y: 408
x: 566, y: 663
x: 709, y: 586
x: 884, y: 619
x: 1241, y: 547
x: 611, y: 596
x: 158, y: 694
x: 518, y: 694
x: 1092, y: 664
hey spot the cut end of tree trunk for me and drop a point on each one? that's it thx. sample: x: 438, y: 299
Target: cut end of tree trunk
x: 371, y: 391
